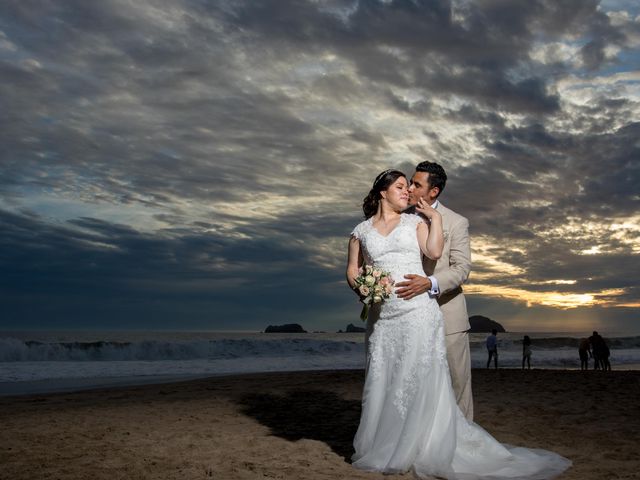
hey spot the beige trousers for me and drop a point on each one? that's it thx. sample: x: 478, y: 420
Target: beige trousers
x: 459, y: 359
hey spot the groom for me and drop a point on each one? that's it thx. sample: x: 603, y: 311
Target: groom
x: 445, y: 278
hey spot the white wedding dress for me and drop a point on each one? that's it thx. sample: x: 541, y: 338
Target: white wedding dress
x: 410, y: 419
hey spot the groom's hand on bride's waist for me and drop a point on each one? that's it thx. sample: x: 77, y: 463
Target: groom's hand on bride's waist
x: 412, y: 285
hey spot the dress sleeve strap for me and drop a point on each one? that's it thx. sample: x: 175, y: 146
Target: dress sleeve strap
x: 357, y: 232
x: 412, y: 219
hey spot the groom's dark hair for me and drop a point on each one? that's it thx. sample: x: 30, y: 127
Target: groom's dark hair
x: 437, y: 175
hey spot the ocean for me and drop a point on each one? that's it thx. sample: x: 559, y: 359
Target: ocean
x: 50, y: 361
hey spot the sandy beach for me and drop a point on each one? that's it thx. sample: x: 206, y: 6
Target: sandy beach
x: 300, y: 425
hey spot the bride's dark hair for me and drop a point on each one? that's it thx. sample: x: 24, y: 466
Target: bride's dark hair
x: 383, y: 181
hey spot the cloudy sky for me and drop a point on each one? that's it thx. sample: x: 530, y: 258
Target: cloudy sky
x: 199, y: 164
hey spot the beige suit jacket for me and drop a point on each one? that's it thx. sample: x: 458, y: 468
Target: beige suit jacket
x: 452, y: 270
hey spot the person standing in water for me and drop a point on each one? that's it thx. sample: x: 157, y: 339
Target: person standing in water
x: 584, y: 350
x: 492, y: 348
x: 526, y: 351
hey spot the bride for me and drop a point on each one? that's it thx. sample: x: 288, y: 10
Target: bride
x: 410, y: 419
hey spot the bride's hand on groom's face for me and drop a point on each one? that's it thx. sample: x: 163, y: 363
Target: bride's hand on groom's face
x: 413, y: 285
x: 425, y: 209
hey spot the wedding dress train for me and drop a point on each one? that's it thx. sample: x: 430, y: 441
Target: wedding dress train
x: 410, y: 419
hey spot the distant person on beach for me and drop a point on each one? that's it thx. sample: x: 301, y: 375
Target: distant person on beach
x: 604, y: 356
x: 526, y: 351
x: 492, y: 348
x: 584, y: 350
x: 594, y: 352
x: 600, y: 351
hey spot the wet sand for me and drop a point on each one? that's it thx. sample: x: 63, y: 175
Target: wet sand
x: 299, y: 425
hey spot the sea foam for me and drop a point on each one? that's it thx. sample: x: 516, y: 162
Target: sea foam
x: 146, y: 355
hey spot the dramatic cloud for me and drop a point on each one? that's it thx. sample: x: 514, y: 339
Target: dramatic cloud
x: 200, y: 165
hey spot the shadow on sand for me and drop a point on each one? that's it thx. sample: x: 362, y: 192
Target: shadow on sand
x: 311, y: 414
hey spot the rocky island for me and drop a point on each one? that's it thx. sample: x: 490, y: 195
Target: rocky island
x: 351, y: 328
x: 480, y: 324
x: 286, y: 328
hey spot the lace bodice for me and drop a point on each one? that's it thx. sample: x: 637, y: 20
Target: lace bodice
x: 398, y: 252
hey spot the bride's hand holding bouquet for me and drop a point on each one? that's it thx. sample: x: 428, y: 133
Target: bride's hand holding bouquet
x: 373, y: 285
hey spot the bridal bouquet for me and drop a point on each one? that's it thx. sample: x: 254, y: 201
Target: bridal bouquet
x: 374, y: 286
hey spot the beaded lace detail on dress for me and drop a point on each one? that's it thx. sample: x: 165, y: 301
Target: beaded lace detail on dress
x: 410, y: 419
x: 400, y: 322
